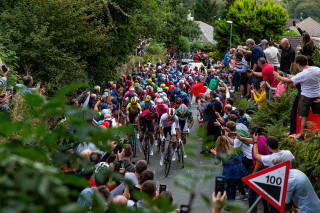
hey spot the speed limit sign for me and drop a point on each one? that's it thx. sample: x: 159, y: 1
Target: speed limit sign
x: 271, y: 184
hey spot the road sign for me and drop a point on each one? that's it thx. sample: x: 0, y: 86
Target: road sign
x: 271, y: 184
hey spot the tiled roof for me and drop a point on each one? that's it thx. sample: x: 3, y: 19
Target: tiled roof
x: 309, y: 25
x: 206, y: 32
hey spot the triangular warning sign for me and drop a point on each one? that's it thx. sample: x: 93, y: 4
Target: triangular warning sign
x: 271, y: 184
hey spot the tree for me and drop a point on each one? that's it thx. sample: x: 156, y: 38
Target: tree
x: 184, y: 44
x: 177, y: 24
x: 206, y: 11
x: 250, y: 21
x: 305, y: 10
x: 74, y: 41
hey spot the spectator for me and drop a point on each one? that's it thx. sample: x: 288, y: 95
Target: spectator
x: 268, y: 76
x: 259, y: 94
x: 307, y: 47
x: 85, y: 198
x: 4, y: 79
x: 120, y: 200
x: 257, y: 53
x: 4, y: 101
x: 233, y: 169
x: 287, y: 55
x: 26, y: 87
x: 217, y: 200
x: 273, y: 146
x: 300, y: 190
x: 309, y: 79
x: 141, y: 166
x: 149, y: 188
x: 95, y: 156
x: 242, y: 69
x: 130, y: 193
x: 124, y: 159
x: 226, y: 58
x: 272, y: 54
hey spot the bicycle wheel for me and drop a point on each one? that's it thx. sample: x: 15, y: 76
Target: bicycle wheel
x: 167, y: 162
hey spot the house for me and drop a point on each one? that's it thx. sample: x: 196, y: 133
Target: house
x: 309, y: 25
x: 206, y: 32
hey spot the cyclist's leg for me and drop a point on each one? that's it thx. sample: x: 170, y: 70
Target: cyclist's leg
x: 183, y: 128
x: 173, y: 135
x: 151, y: 131
x: 164, y: 132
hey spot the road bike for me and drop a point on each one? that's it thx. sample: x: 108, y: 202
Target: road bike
x: 146, y: 145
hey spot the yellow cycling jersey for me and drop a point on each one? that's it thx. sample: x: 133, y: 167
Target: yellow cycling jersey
x: 133, y: 111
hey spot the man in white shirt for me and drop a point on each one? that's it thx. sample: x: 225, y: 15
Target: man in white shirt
x: 272, y: 54
x: 309, y: 79
x: 273, y: 146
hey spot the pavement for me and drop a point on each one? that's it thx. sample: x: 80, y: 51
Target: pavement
x: 197, y: 177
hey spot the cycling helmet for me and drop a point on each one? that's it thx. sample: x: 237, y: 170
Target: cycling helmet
x: 193, y: 72
x: 131, y: 89
x: 171, y: 112
x: 170, y: 76
x: 166, y: 88
x: 170, y: 83
x: 131, y: 95
x: 171, y: 87
x: 183, y: 109
x: 159, y: 90
x: 149, y: 80
x: 159, y: 101
x: 181, y: 82
x: 152, y: 110
x: 133, y: 100
x: 154, y: 86
x: 153, y: 76
x: 178, y: 101
x: 162, y: 86
x: 159, y: 68
x: 147, y: 98
x: 178, y: 91
x: 136, y: 85
x: 149, y: 89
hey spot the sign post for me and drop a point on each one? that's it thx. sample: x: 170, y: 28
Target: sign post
x: 271, y: 184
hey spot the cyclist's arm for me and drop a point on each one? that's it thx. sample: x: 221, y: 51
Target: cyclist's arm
x: 127, y: 112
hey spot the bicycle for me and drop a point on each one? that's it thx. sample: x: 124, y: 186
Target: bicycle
x: 157, y: 138
x: 180, y: 153
x: 146, y: 145
x: 133, y: 140
x: 168, y: 158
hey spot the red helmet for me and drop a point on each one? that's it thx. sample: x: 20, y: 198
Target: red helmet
x: 131, y: 89
x: 150, y: 90
x: 152, y: 109
x: 171, y: 112
x: 170, y: 83
x: 171, y: 87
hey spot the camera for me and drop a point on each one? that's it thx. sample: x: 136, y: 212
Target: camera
x: 220, y: 184
x: 163, y: 188
x: 4, y: 68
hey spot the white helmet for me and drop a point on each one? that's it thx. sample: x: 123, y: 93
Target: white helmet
x: 183, y: 109
x: 159, y: 90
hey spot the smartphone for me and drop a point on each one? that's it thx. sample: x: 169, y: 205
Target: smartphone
x: 9, y: 90
x: 163, y: 188
x: 271, y: 37
x: 220, y: 184
x: 184, y: 209
x: 4, y: 68
x: 294, y: 23
x: 275, y: 68
x: 258, y: 130
x: 223, y: 131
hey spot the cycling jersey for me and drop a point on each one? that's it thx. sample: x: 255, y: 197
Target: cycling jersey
x: 183, y: 96
x: 143, y: 105
x: 162, y: 110
x: 186, y: 116
x: 147, y: 115
x: 133, y: 111
x: 165, y: 121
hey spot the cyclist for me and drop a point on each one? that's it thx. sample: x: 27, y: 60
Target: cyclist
x: 127, y: 100
x: 184, y: 114
x: 146, y: 103
x: 169, y: 123
x: 138, y: 90
x: 151, y: 93
x: 184, y: 97
x: 133, y: 110
x: 170, y: 93
x: 161, y: 107
x: 149, y: 117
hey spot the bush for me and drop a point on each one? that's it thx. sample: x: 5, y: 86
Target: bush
x: 290, y: 32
